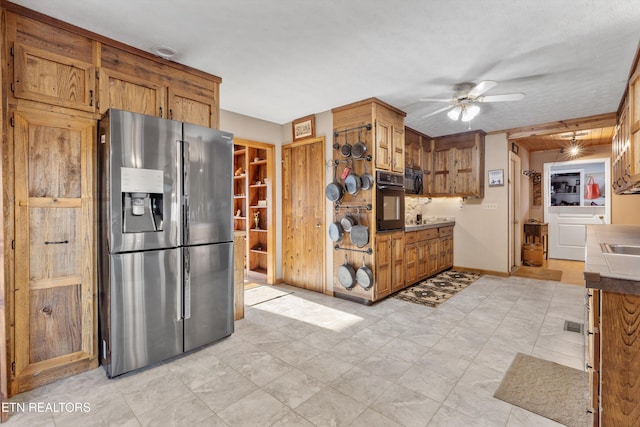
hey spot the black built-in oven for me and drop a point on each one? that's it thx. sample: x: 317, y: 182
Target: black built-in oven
x: 389, y: 201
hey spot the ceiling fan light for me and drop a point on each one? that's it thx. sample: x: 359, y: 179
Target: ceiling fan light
x: 455, y: 112
x: 470, y: 112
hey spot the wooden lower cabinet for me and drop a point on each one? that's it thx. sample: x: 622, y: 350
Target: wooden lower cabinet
x: 427, y: 252
x: 389, y: 274
x: 54, y: 291
x: 614, y: 362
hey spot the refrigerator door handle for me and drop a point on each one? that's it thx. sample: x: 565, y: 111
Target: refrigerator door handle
x: 186, y: 165
x: 179, y: 294
x: 187, y: 284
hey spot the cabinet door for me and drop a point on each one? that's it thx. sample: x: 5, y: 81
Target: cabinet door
x: 410, y: 263
x: 129, y: 93
x: 427, y: 167
x: 397, y: 261
x: 383, y: 265
x: 54, y: 291
x: 397, y: 153
x: 445, y: 255
x: 441, y: 178
x: 53, y: 79
x: 191, y: 108
x: 465, y: 183
x: 383, y: 145
x: 434, y: 250
x: 422, y: 259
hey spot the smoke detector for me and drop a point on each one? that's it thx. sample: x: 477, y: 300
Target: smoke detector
x: 164, y: 52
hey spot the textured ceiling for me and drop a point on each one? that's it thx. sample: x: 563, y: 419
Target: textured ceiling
x: 280, y: 60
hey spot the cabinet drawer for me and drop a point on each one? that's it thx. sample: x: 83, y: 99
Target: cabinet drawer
x: 445, y: 231
x: 430, y: 233
x: 410, y: 237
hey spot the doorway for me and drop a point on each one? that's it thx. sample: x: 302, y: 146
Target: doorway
x: 303, y: 214
x: 575, y: 194
x: 515, y: 234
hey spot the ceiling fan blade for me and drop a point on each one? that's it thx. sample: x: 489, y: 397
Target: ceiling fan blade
x: 438, y: 99
x: 440, y: 110
x: 500, y: 98
x: 481, y: 88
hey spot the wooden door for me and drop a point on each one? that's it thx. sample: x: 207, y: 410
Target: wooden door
x: 397, y: 261
x: 191, y: 108
x: 124, y: 92
x: 50, y: 78
x: 441, y: 172
x: 422, y: 260
x: 397, y: 153
x: 411, y: 263
x: 383, y: 265
x: 433, y: 246
x: 55, y: 285
x: 463, y: 160
x: 383, y: 145
x: 303, y: 214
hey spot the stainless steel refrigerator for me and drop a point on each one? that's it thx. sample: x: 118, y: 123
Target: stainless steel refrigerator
x: 166, y: 239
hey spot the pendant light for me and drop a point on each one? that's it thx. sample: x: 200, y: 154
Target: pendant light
x: 469, y: 113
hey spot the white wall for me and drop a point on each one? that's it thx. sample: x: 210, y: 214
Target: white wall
x: 481, y: 235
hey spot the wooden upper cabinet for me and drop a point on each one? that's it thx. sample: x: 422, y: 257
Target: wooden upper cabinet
x: 389, y: 147
x: 441, y: 177
x: 458, y: 165
x: 51, y: 78
x: 397, y: 153
x: 192, y: 108
x: 383, y: 145
x: 129, y: 93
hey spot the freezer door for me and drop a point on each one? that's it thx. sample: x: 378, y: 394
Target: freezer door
x: 207, y: 182
x: 139, y: 181
x: 146, y: 309
x: 208, y: 294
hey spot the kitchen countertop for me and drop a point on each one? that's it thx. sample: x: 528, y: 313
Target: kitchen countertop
x: 430, y: 223
x: 609, y: 271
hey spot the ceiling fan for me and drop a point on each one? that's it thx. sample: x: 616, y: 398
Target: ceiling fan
x: 463, y: 103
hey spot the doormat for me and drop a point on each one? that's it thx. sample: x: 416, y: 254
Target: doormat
x: 437, y: 289
x: 538, y: 273
x: 548, y: 389
x: 262, y: 294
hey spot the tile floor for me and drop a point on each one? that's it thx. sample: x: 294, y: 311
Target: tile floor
x: 307, y: 359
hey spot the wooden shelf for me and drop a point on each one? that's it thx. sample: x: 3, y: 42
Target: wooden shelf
x: 261, y: 162
x: 259, y: 230
x: 243, y: 176
x: 240, y: 217
x: 256, y: 251
x: 240, y: 152
x: 239, y: 197
x: 258, y: 207
x: 257, y: 185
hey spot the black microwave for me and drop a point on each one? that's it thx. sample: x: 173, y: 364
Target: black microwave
x: 413, y: 181
x: 389, y: 201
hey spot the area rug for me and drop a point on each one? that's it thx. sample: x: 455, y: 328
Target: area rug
x: 437, y: 289
x: 538, y: 273
x: 548, y: 389
x: 263, y: 293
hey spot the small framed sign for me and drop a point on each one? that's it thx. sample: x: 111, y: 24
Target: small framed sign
x: 304, y: 127
x: 514, y: 147
x: 496, y: 178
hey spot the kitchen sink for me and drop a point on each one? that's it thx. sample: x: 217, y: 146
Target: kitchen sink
x: 620, y: 249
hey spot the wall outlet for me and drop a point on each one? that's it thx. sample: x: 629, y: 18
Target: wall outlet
x: 492, y: 206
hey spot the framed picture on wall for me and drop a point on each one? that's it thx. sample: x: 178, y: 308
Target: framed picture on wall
x: 496, y: 178
x: 304, y: 127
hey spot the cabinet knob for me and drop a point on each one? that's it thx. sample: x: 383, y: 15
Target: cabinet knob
x: 318, y: 225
